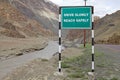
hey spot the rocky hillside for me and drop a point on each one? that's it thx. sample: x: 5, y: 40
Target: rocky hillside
x: 107, y: 30
x: 43, y: 11
x: 19, y: 19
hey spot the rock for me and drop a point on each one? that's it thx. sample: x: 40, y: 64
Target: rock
x: 27, y: 50
x: 58, y: 74
x: 112, y: 76
x: 116, y: 69
x: 91, y: 75
x: 19, y: 54
x: 45, y: 78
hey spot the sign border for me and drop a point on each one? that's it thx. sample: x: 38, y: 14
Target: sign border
x: 60, y: 16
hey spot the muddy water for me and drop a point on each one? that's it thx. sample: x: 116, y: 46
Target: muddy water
x: 10, y: 64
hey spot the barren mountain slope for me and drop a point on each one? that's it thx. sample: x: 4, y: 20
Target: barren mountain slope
x: 44, y: 11
x: 15, y: 24
x: 107, y: 30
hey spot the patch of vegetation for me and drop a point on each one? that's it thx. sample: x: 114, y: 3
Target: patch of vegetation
x: 68, y: 71
x: 100, y: 65
x: 64, y: 65
x: 77, y: 67
x: 76, y: 75
x: 87, y: 46
x: 44, y: 60
x: 114, y: 78
x: 102, y: 78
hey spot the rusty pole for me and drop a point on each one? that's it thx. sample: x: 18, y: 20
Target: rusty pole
x: 85, y: 31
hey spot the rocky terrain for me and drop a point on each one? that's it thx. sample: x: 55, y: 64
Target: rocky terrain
x: 43, y: 11
x: 23, y: 30
x: 107, y: 30
x: 15, y: 24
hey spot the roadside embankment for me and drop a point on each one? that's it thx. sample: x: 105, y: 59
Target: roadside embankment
x: 12, y: 47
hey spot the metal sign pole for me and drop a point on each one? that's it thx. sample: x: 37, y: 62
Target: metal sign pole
x: 60, y: 35
x: 92, y: 31
x: 93, y: 51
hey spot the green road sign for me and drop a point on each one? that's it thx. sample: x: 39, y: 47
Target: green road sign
x: 76, y: 17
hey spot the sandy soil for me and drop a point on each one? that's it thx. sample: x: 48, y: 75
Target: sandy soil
x: 42, y: 69
x: 11, y: 47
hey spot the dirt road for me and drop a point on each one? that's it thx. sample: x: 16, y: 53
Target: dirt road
x: 112, y: 51
x: 10, y: 64
x: 112, y: 59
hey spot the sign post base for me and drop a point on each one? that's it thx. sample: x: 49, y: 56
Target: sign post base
x: 58, y: 74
